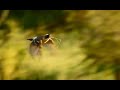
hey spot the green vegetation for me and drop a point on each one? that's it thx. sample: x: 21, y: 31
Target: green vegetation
x: 89, y: 49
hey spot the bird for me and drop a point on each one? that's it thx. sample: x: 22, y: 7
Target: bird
x: 38, y: 42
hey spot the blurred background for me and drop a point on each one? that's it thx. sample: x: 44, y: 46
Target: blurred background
x: 89, y: 48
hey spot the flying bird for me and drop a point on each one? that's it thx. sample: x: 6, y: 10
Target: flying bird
x: 38, y: 42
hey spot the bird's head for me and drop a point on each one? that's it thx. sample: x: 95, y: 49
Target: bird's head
x: 46, y: 36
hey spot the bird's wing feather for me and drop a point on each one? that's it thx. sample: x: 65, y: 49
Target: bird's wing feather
x: 34, y: 49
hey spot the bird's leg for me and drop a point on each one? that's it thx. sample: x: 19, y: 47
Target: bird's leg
x: 47, y: 40
x: 51, y: 40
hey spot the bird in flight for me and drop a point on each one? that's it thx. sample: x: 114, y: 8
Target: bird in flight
x: 38, y: 42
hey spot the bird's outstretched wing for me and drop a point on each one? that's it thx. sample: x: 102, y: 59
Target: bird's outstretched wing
x: 34, y: 49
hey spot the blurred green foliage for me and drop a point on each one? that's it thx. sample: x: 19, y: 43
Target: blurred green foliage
x: 89, y: 49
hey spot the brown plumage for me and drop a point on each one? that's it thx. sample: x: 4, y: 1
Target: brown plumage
x: 38, y: 42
